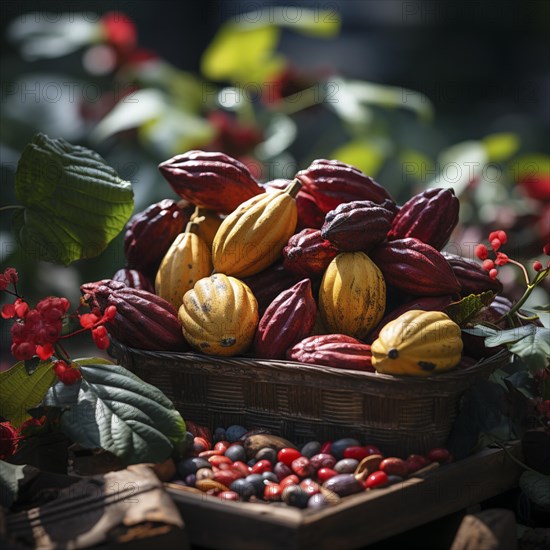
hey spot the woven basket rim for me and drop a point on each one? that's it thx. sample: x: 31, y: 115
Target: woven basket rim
x: 456, y: 377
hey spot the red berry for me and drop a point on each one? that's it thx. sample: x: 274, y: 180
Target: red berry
x: 66, y: 373
x: 501, y: 236
x: 357, y: 452
x: 537, y: 266
x: 439, y: 454
x: 377, y: 479
x: 546, y: 249
x: 272, y: 491
x: 261, y: 466
x: 287, y: 455
x: 502, y: 259
x: 310, y: 486
x: 493, y: 273
x: 481, y: 252
x: 302, y: 467
x: 394, y: 466
x: 495, y: 244
x: 292, y: 479
x: 488, y: 265
x: 9, y: 437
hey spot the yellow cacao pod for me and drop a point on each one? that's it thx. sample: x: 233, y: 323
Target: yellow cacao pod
x: 253, y: 236
x: 208, y: 223
x: 187, y: 260
x: 219, y: 315
x: 417, y: 343
x: 352, y: 296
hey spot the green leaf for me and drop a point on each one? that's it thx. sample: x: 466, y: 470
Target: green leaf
x: 367, y: 155
x: 242, y: 53
x: 501, y: 146
x: 10, y: 476
x: 20, y: 391
x: 536, y: 487
x: 481, y: 330
x: 117, y: 411
x: 464, y: 310
x: 75, y: 204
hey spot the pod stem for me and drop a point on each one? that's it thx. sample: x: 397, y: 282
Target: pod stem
x: 293, y: 187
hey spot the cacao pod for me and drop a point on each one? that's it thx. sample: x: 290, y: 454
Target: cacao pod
x: 219, y: 315
x: 358, y: 225
x: 253, y: 236
x: 473, y: 279
x: 187, y: 260
x: 288, y: 319
x: 309, y: 214
x: 417, y: 343
x: 307, y: 254
x: 143, y: 320
x: 208, y: 222
x: 332, y: 182
x: 429, y: 216
x: 424, y: 303
x: 415, y: 267
x: 333, y: 350
x: 88, y: 290
x: 352, y: 296
x: 269, y: 283
x: 150, y: 234
x: 134, y: 279
x: 210, y: 180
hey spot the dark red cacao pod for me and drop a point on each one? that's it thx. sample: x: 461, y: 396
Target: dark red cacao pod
x: 134, y: 279
x: 307, y: 254
x: 88, y: 290
x: 415, y: 267
x: 309, y: 214
x: 150, y: 233
x: 269, y: 283
x: 358, y: 225
x: 472, y: 277
x: 332, y: 182
x: 333, y: 350
x: 429, y: 217
x: 143, y: 320
x: 425, y: 303
x: 288, y: 319
x: 214, y: 181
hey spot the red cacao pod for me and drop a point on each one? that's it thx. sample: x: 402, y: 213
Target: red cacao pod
x: 415, y: 267
x: 333, y: 350
x: 332, y: 182
x: 288, y: 319
x: 472, y: 277
x: 269, y: 283
x: 134, y: 279
x: 88, y: 290
x: 214, y: 181
x: 307, y: 254
x: 150, y: 234
x: 425, y: 303
x: 429, y: 217
x: 358, y: 225
x: 143, y: 320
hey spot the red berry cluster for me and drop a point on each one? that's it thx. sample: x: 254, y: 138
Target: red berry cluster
x: 496, y: 240
x: 35, y: 331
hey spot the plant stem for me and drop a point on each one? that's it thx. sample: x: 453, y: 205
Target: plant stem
x: 61, y: 352
x: 525, y: 274
x: 11, y: 207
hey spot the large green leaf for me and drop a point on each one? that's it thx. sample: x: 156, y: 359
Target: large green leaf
x: 117, y: 411
x: 20, y: 391
x: 242, y: 54
x: 75, y: 204
x: 465, y: 309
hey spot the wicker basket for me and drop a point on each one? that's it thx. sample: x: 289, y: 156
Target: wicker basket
x: 303, y: 402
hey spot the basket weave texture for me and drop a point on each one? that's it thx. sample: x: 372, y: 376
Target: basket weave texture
x: 300, y: 402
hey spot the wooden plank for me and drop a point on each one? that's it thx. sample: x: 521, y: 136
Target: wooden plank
x: 357, y: 520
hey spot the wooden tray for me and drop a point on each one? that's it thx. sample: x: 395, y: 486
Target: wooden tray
x: 401, y: 415
x: 355, y: 521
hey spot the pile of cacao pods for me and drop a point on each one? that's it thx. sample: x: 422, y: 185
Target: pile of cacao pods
x: 325, y: 269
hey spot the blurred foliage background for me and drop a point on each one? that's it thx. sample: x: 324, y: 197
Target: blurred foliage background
x: 416, y: 93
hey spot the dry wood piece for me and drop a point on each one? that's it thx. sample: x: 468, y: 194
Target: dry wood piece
x: 493, y: 529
